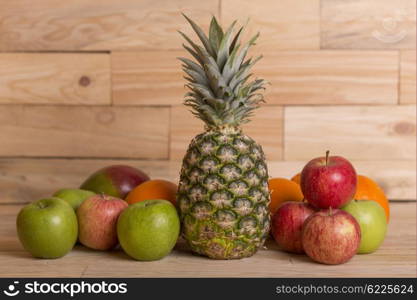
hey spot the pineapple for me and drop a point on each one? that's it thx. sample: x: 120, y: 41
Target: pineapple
x: 223, y: 192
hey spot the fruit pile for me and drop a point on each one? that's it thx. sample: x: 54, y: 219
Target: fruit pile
x: 117, y: 204
x: 328, y: 212
x: 223, y: 193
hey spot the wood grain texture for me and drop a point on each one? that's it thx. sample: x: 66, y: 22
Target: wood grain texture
x: 265, y: 128
x: 296, y: 77
x: 408, y: 77
x: 104, y: 25
x: 55, y: 78
x: 368, y: 24
x: 25, y: 180
x: 283, y: 24
x: 147, y: 78
x: 84, y: 131
x: 361, y: 132
x: 395, y: 258
x: 330, y: 77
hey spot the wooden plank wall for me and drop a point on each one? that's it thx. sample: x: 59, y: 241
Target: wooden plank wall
x: 85, y: 84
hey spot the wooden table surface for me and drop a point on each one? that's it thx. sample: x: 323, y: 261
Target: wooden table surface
x: 396, y: 258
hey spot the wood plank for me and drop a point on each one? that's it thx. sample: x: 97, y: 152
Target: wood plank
x: 84, y: 131
x: 283, y: 24
x: 296, y: 77
x: 265, y: 128
x: 24, y: 180
x: 361, y: 132
x: 104, y: 25
x: 408, y: 77
x: 396, y: 177
x: 330, y: 77
x: 395, y: 258
x: 368, y: 24
x: 147, y: 78
x: 55, y: 78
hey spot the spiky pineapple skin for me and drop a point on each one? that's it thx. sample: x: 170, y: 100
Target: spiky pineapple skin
x: 223, y: 195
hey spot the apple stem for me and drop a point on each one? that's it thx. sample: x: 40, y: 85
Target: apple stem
x: 330, y: 211
x: 327, y: 157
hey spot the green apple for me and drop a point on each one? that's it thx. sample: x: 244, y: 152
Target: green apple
x: 372, y: 221
x: 47, y: 228
x: 148, y: 230
x: 74, y: 197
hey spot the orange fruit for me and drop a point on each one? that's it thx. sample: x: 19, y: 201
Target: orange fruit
x: 367, y: 189
x: 296, y: 178
x: 153, y: 189
x: 283, y: 190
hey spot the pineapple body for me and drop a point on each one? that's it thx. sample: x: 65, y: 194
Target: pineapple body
x: 223, y: 195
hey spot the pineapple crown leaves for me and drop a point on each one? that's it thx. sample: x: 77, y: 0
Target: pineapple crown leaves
x: 220, y: 90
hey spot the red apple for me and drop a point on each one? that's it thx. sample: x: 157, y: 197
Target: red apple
x: 328, y: 181
x: 331, y: 236
x: 115, y: 180
x: 97, y: 221
x: 287, y: 223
